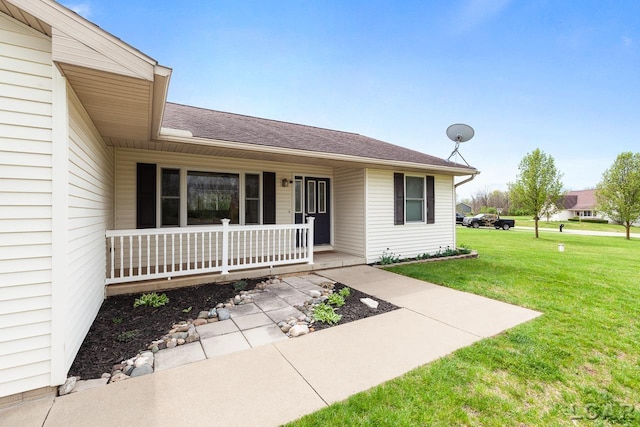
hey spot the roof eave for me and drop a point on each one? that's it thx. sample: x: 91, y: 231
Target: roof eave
x: 175, y: 137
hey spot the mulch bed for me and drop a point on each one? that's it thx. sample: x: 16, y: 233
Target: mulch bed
x: 120, y: 332
x: 353, y: 309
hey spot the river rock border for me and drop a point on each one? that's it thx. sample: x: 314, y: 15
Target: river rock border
x: 184, y: 332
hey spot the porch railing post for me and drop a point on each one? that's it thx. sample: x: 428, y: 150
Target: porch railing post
x: 225, y: 246
x: 310, y: 221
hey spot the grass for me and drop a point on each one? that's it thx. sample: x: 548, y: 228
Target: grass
x: 527, y: 221
x: 578, y: 364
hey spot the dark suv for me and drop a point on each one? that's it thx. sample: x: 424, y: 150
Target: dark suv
x: 459, y: 218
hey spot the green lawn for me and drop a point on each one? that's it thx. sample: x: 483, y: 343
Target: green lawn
x: 578, y: 364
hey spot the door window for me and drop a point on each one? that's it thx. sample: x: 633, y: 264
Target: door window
x: 311, y: 197
x: 322, y: 197
x: 298, y: 195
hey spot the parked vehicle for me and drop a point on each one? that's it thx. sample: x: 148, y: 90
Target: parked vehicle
x: 488, y: 220
x: 459, y: 218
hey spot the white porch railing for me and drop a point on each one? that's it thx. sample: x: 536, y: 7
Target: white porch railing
x: 134, y: 255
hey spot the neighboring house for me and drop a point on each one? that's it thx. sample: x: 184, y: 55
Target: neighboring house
x: 577, y: 204
x: 99, y: 174
x: 463, y: 208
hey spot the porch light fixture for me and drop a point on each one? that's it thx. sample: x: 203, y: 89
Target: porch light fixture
x: 285, y: 182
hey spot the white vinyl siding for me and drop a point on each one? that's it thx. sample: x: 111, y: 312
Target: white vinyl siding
x: 90, y: 214
x: 349, y: 211
x: 411, y: 239
x: 126, y: 160
x: 25, y: 207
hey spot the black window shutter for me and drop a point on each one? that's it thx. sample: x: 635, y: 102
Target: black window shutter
x: 268, y: 197
x: 431, y: 200
x: 398, y: 194
x: 146, y: 195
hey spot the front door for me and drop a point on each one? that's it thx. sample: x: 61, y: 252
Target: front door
x: 312, y: 198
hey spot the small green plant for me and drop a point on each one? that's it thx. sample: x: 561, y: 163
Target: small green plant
x: 326, y: 314
x: 188, y: 309
x: 127, y: 336
x: 448, y: 251
x: 151, y: 300
x: 336, y: 299
x: 240, y: 285
x: 116, y: 320
x: 463, y: 250
x: 345, y: 292
x: 388, y: 257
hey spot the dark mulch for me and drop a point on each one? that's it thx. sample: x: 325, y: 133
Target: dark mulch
x: 353, y: 309
x: 120, y: 331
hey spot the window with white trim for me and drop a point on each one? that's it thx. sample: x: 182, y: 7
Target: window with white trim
x: 251, y: 198
x: 212, y: 196
x: 170, y: 198
x: 414, y: 199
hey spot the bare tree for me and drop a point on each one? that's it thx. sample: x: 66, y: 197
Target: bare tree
x: 480, y: 200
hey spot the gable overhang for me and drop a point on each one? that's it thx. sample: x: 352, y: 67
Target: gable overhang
x: 123, y: 90
x: 180, y: 141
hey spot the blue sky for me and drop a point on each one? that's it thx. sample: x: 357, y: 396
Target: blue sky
x: 562, y: 76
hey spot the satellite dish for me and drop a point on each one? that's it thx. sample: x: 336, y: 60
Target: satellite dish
x: 459, y: 133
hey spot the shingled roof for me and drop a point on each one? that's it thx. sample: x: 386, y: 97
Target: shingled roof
x: 218, y: 125
x: 580, y: 200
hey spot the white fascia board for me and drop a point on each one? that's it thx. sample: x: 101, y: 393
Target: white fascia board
x: 87, y: 32
x: 450, y: 170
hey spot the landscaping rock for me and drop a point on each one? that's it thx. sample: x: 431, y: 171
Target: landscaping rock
x: 200, y: 322
x: 117, y: 377
x: 203, y: 315
x: 183, y: 328
x: 193, y: 338
x: 213, y: 313
x: 369, y: 303
x: 327, y: 285
x: 68, y: 386
x: 298, y: 330
x: 315, y: 294
x: 223, y: 314
x: 180, y: 335
x: 142, y: 370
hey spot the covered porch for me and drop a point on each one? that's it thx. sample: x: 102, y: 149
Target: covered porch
x: 323, y: 258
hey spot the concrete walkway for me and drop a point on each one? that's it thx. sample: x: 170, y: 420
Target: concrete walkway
x: 282, y: 381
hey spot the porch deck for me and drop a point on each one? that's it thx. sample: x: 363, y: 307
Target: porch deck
x: 322, y: 260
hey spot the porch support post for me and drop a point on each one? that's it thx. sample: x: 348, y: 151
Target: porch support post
x: 310, y: 221
x: 225, y: 246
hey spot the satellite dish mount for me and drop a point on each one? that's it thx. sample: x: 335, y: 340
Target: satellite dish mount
x: 459, y: 133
